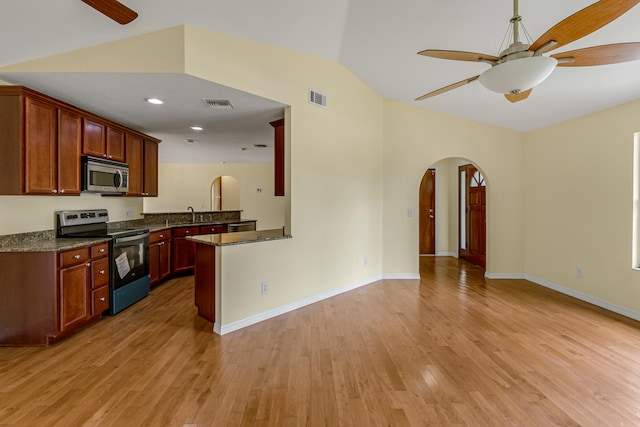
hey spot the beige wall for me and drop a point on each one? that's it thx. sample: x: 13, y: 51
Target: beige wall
x: 189, y: 184
x: 416, y: 138
x: 578, y: 188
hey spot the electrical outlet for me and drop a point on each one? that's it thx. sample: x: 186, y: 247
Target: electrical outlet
x: 579, y: 272
x: 264, y: 288
x: 129, y: 214
x: 409, y: 212
x: 366, y: 261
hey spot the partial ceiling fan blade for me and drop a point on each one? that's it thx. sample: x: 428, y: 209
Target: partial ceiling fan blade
x: 458, y: 55
x: 584, y: 22
x: 114, y: 10
x: 448, y: 88
x: 518, y: 96
x: 600, y: 55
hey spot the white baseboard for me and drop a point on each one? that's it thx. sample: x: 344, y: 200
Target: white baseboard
x: 584, y: 297
x: 451, y: 254
x: 504, y: 275
x: 403, y: 276
x: 256, y: 318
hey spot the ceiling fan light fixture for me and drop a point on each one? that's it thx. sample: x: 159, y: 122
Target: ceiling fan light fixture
x: 518, y: 75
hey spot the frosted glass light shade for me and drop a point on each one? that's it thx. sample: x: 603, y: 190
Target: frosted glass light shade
x: 518, y: 74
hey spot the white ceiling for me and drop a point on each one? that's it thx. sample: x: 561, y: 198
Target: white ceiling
x: 376, y: 39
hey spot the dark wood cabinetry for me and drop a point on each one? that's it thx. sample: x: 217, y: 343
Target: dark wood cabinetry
x: 150, y: 169
x: 43, y: 140
x: 40, y: 150
x: 134, y: 158
x: 159, y: 255
x: 48, y: 295
x: 102, y: 140
x: 278, y: 159
x: 183, y: 249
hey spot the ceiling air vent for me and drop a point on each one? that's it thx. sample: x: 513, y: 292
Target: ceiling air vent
x: 217, y: 103
x: 317, y: 98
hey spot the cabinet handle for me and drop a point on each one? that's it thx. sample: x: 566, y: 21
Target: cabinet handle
x: 101, y: 271
x: 88, y: 264
x: 62, y: 191
x: 102, y: 299
x: 187, y: 231
x: 101, y: 250
x: 161, y: 236
x: 111, y: 157
x: 54, y: 191
x: 104, y: 155
x: 77, y: 256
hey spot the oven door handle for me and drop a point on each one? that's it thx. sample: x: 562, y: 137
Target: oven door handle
x: 131, y: 238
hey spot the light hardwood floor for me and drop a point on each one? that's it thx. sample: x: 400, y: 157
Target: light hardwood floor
x: 451, y: 349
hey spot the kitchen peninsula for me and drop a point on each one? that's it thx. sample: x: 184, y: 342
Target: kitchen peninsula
x: 208, y: 282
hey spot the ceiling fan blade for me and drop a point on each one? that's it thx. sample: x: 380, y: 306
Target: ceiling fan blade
x: 584, y: 22
x: 518, y: 96
x: 114, y: 10
x: 600, y: 55
x: 447, y: 88
x: 458, y: 55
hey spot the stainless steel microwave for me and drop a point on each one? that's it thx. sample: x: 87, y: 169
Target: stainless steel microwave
x: 104, y: 176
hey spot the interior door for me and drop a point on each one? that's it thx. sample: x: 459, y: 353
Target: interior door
x: 428, y: 213
x: 473, y: 219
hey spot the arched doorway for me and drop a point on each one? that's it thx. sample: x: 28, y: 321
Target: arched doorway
x: 452, y: 201
x: 225, y: 193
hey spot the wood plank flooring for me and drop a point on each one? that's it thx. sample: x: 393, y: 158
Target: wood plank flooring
x: 451, y: 349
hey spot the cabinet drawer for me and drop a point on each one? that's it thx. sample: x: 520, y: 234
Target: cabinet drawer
x: 99, y: 300
x: 74, y: 257
x: 157, y: 236
x: 99, y: 272
x: 213, y: 229
x: 100, y: 250
x: 186, y: 231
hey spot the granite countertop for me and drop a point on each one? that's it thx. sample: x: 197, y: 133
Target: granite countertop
x: 50, y: 245
x: 241, y: 237
x: 161, y: 226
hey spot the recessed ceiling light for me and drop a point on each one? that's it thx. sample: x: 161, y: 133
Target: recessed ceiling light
x: 196, y: 128
x: 155, y: 101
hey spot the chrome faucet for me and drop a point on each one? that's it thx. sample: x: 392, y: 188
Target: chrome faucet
x: 193, y: 214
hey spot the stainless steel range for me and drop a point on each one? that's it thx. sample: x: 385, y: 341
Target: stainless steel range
x: 128, y: 252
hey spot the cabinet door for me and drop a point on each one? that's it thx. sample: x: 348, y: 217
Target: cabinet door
x: 115, y: 144
x: 93, y: 138
x: 69, y: 147
x: 40, y: 147
x: 165, y: 259
x: 154, y: 263
x: 183, y: 254
x: 150, y: 181
x: 133, y: 157
x: 74, y: 305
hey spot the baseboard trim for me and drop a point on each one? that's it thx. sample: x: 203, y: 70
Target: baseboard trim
x: 401, y: 276
x: 451, y: 254
x: 251, y: 320
x: 504, y: 275
x: 586, y: 298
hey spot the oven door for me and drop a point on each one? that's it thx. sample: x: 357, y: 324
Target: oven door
x: 129, y: 259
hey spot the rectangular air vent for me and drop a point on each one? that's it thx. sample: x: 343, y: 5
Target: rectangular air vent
x: 217, y: 103
x: 317, y: 98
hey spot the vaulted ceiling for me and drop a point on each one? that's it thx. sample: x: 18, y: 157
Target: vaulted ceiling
x: 378, y: 40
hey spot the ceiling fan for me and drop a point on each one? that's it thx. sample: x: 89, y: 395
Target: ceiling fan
x: 521, y: 66
x: 114, y: 10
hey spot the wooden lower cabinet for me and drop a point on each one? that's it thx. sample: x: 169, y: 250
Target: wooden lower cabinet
x: 159, y: 255
x: 48, y: 295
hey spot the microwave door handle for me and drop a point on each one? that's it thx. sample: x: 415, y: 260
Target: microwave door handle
x: 131, y: 238
x: 118, y: 181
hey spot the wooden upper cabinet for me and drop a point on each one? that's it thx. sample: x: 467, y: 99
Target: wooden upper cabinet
x: 150, y: 181
x: 94, y: 138
x: 134, y: 158
x: 115, y: 144
x: 101, y: 140
x: 278, y: 159
x: 69, y: 148
x: 40, y: 154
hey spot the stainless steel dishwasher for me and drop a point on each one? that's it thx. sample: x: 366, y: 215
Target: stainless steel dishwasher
x: 241, y: 226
